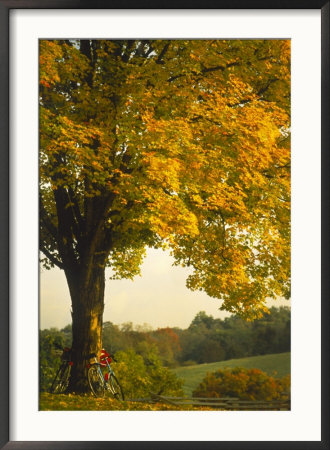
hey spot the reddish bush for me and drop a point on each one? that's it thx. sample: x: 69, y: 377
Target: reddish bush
x: 245, y: 384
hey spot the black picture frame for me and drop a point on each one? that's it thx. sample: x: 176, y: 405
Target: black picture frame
x: 5, y: 7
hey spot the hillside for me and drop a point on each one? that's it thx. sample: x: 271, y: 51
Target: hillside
x: 276, y: 364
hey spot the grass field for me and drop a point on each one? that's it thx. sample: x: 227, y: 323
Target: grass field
x: 277, y: 365
x: 192, y: 375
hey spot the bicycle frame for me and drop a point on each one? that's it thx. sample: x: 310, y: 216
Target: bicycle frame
x: 101, y: 377
x: 108, y: 374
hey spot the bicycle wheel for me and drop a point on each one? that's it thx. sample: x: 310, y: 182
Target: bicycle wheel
x: 61, y: 379
x: 115, y: 389
x: 96, y: 381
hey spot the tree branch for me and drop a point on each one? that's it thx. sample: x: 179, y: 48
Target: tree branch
x: 205, y: 70
x: 66, y: 223
x: 51, y: 257
x: 76, y: 211
x: 159, y: 60
x: 127, y: 53
x: 45, y: 219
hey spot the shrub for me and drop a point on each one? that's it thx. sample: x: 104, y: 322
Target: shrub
x: 139, y: 376
x: 245, y: 384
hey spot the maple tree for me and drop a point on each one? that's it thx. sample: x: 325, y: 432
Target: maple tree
x: 183, y: 144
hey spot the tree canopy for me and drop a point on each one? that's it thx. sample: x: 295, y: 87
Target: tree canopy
x: 183, y: 144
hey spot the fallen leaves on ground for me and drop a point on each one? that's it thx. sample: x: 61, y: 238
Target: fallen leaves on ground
x: 70, y: 402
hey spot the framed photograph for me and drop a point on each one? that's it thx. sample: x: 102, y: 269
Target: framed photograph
x: 200, y: 135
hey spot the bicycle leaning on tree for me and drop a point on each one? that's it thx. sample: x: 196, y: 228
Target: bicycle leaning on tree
x: 101, y: 377
x: 61, y: 380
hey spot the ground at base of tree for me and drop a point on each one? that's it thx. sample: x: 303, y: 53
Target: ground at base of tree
x: 70, y: 402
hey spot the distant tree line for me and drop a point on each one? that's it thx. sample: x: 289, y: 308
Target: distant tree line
x: 205, y: 340
x: 209, y: 340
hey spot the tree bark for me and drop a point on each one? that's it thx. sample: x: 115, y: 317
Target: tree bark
x: 87, y: 295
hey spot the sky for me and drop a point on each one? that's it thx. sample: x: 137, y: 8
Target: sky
x: 159, y: 297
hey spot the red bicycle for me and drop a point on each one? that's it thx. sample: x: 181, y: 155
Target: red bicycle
x: 102, y: 378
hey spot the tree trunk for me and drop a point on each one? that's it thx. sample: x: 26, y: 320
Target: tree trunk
x: 87, y: 295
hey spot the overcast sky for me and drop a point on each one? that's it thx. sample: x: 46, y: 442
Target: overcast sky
x: 158, y: 298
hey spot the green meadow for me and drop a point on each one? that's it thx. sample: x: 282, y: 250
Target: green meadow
x: 277, y: 365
